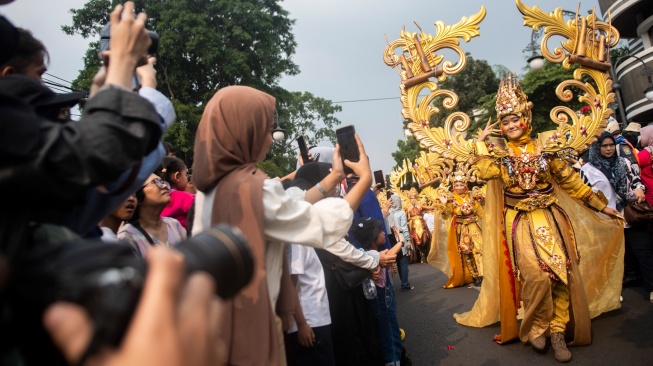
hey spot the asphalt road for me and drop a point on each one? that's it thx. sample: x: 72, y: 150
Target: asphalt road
x: 620, y: 337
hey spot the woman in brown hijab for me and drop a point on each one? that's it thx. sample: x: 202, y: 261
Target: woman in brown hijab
x: 234, y: 134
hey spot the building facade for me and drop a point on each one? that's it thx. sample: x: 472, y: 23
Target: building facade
x: 634, y: 20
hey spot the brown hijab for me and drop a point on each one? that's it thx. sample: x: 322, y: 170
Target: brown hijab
x: 230, y: 137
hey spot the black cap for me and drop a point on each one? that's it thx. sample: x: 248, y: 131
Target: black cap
x: 45, y: 102
x: 366, y: 229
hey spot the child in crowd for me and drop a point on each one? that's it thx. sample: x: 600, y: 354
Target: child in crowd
x: 111, y: 224
x: 369, y: 233
x: 173, y: 170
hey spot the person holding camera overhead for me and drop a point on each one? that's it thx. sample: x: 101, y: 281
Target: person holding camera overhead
x: 55, y: 164
x: 235, y: 133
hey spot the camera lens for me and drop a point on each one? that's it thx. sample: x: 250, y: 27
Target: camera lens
x: 223, y: 252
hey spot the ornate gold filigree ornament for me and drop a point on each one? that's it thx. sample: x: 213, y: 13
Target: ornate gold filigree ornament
x: 417, y: 63
x: 586, y: 41
x: 587, y: 44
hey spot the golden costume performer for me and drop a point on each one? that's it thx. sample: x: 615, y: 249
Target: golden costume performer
x: 539, y: 256
x: 419, y: 232
x: 457, y: 250
x: 536, y: 224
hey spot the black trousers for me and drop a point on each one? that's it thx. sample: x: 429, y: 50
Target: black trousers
x: 639, y: 241
x: 321, y: 354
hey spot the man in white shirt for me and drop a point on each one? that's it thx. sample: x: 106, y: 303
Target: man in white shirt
x: 308, y: 341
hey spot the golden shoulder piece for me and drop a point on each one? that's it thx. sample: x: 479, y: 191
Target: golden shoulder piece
x: 417, y: 63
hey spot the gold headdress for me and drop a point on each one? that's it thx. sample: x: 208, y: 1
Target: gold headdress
x: 512, y: 100
x: 462, y: 174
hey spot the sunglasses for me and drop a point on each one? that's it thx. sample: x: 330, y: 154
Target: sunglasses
x: 161, y: 184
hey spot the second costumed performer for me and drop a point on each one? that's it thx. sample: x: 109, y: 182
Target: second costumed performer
x: 536, y: 228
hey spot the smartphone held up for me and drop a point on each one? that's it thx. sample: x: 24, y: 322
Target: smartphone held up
x: 303, y: 149
x: 379, y: 178
x: 348, y: 146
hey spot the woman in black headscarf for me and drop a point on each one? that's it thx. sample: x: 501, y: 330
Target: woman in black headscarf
x: 627, y: 185
x: 617, y: 171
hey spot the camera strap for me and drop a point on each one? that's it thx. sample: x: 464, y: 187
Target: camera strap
x: 145, y: 233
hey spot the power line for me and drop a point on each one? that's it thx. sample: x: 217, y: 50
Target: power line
x: 57, y: 89
x: 51, y: 83
x: 363, y: 100
x: 56, y: 77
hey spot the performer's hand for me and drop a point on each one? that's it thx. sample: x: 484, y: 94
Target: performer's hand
x: 489, y: 129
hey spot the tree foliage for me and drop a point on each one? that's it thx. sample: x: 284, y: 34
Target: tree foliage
x: 206, y: 45
x: 540, y: 87
x: 302, y: 114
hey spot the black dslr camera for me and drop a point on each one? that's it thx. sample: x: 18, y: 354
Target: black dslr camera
x: 105, y: 40
x: 107, y: 279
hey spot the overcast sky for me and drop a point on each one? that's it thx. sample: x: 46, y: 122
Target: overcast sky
x: 340, y: 50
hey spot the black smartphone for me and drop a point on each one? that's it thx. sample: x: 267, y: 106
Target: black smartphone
x: 348, y: 146
x: 303, y: 149
x: 378, y: 178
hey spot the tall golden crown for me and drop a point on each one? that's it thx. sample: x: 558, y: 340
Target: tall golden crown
x: 511, y: 99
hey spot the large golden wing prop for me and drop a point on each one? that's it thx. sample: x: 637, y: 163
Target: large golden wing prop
x: 417, y: 62
x: 397, y: 179
x: 586, y: 42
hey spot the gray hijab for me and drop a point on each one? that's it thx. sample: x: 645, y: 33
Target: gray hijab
x: 396, y: 203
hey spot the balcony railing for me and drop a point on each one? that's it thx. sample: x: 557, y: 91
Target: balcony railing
x: 626, y: 14
x: 633, y: 80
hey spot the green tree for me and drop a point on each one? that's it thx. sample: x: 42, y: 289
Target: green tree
x: 206, y: 45
x: 540, y: 87
x: 301, y: 114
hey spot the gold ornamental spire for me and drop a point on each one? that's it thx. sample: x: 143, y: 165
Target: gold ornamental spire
x: 418, y: 63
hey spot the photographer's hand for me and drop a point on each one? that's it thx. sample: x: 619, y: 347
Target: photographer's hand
x: 147, y: 73
x: 329, y: 183
x: 98, y: 81
x: 129, y: 44
x: 165, y: 329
